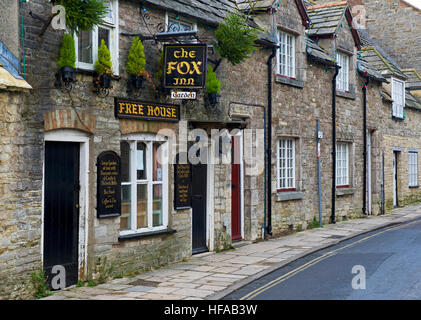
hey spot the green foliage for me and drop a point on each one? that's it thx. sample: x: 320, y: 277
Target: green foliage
x: 160, y: 65
x: 235, y: 38
x: 83, y: 15
x: 213, y: 85
x: 67, y: 52
x: 136, y: 60
x: 80, y: 283
x: 314, y: 224
x: 103, y: 63
x: 40, y: 285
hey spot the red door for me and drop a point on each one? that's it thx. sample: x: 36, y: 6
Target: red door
x: 235, y: 190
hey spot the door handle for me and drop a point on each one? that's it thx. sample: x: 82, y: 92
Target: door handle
x: 77, y: 206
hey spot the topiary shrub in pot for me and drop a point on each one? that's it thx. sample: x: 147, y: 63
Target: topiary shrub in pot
x: 213, y: 86
x: 67, y: 60
x: 136, y: 62
x: 103, y: 66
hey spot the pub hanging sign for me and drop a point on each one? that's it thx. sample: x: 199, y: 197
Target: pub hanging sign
x: 108, y: 185
x: 144, y: 110
x: 185, y: 66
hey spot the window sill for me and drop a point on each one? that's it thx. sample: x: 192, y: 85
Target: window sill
x: 289, y: 81
x: 291, y: 195
x: 346, y: 94
x: 414, y: 187
x: 398, y: 118
x: 344, y: 191
x: 145, y: 234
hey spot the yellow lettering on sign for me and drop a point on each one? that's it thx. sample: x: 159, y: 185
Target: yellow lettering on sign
x: 196, y: 66
x: 171, y: 67
x: 121, y: 107
x: 183, y: 67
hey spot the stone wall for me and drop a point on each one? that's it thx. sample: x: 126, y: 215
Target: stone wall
x: 9, y: 31
x: 396, y: 26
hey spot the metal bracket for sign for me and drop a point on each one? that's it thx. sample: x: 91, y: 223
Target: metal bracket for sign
x: 163, y: 36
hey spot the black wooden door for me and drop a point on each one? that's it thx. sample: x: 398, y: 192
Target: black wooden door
x: 61, y: 208
x: 198, y: 200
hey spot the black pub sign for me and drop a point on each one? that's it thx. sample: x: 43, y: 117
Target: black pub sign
x: 108, y: 185
x: 144, y: 110
x: 185, y: 66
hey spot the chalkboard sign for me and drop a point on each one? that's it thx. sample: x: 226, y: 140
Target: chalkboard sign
x: 109, y: 185
x: 182, y: 187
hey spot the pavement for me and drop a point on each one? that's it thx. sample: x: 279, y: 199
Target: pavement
x: 212, y: 276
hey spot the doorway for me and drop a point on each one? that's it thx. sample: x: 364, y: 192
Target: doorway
x: 61, y: 208
x: 199, y: 200
x: 236, y: 188
x: 395, y: 179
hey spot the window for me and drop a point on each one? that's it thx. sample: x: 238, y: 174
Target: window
x: 88, y: 42
x: 342, y: 164
x: 174, y: 24
x: 286, y: 55
x: 144, y: 183
x: 286, y: 164
x: 398, y: 97
x: 413, y: 169
x: 342, y: 80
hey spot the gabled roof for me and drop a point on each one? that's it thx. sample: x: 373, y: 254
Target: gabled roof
x: 210, y: 12
x: 414, y: 79
x: 10, y: 78
x: 326, y: 19
x: 314, y: 52
x: 368, y: 70
x: 376, y: 57
x: 264, y: 5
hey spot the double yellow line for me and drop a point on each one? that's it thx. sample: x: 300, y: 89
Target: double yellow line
x: 292, y: 273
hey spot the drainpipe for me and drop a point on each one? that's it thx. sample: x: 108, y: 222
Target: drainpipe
x: 23, y: 38
x: 269, y: 145
x: 365, y: 147
x: 332, y: 217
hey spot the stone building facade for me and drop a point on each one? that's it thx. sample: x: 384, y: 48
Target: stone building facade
x: 231, y: 201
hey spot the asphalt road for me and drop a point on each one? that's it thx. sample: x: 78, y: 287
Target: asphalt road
x: 391, y: 258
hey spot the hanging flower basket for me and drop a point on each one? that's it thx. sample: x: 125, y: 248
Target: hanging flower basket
x: 105, y: 81
x: 137, y: 81
x: 67, y: 74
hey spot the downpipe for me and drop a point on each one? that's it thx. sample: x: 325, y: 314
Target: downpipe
x: 269, y: 145
x: 365, y: 147
x: 332, y: 216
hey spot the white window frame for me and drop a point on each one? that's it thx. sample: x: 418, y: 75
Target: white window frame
x: 342, y: 80
x: 342, y: 164
x: 397, y: 108
x: 286, y: 41
x: 413, y: 168
x: 285, y: 181
x: 148, y: 139
x: 169, y: 17
x: 113, y: 26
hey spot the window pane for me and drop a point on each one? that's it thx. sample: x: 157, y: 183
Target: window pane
x: 125, y: 161
x: 104, y: 34
x: 157, y: 162
x: 142, y: 206
x: 85, y: 47
x: 157, y: 205
x: 125, y: 220
x: 141, y: 164
x: 177, y: 26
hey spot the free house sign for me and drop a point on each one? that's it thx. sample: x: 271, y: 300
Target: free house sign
x: 144, y: 110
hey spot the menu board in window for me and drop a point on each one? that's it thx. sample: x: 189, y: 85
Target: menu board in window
x: 182, y: 186
x: 108, y: 185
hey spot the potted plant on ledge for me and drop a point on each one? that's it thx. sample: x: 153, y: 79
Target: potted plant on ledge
x: 135, y: 66
x: 67, y: 61
x: 213, y: 86
x: 103, y: 67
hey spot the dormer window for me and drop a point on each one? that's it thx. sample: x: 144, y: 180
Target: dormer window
x: 175, y: 24
x: 398, y: 97
x: 342, y: 80
x: 286, y: 55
